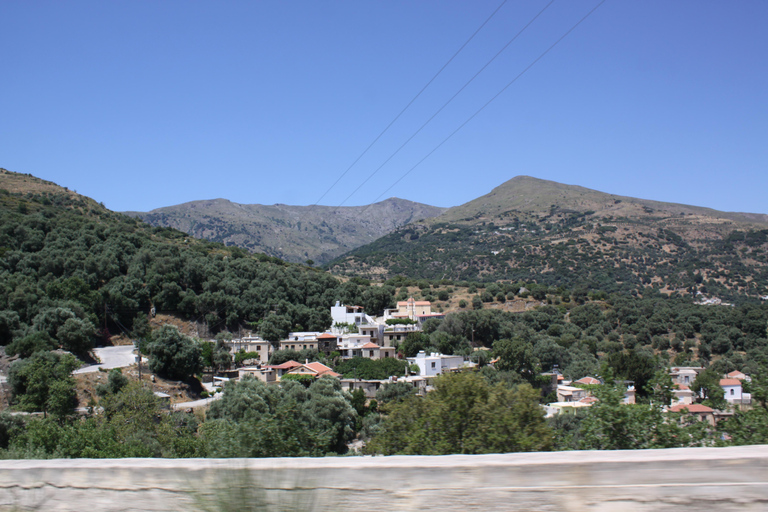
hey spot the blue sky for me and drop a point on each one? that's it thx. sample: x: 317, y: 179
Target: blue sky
x: 148, y: 104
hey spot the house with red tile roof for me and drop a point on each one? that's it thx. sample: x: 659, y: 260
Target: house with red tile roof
x: 733, y: 391
x: 698, y: 411
x: 281, y: 369
x: 736, y: 374
x: 316, y: 369
x: 683, y: 394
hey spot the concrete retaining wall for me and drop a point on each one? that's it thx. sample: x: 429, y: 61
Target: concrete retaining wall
x: 691, y: 479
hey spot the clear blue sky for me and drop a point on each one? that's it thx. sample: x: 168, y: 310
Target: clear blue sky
x: 144, y: 104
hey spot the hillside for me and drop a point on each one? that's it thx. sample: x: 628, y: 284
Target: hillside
x: 69, y: 266
x: 562, y: 235
x: 292, y: 233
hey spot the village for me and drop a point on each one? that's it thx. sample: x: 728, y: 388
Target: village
x: 355, y: 334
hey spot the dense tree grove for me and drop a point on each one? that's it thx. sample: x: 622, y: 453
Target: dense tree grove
x: 465, y: 414
x: 68, y: 265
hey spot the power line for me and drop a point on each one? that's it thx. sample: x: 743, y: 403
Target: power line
x: 410, y: 102
x: 487, y: 103
x: 449, y: 101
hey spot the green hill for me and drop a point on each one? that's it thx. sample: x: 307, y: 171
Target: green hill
x: 563, y: 235
x: 64, y: 256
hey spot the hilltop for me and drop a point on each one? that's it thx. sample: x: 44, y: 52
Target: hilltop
x: 291, y: 233
x: 564, y: 235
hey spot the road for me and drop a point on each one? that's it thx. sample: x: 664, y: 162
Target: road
x: 196, y: 403
x: 111, y: 357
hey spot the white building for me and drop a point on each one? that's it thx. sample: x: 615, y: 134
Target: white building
x: 435, y: 364
x: 351, y: 315
x: 733, y: 392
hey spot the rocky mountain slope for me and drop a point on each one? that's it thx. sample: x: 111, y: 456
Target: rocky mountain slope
x: 291, y: 233
x: 535, y: 230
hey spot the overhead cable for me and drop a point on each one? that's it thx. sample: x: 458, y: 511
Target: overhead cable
x: 448, y: 102
x: 487, y: 103
x: 410, y: 102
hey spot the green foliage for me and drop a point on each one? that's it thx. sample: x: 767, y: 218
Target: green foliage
x: 516, y: 355
x: 395, y: 392
x: 76, y: 335
x: 173, y: 354
x: 256, y: 420
x: 43, y: 382
x: 465, y: 415
x: 131, y: 425
x: 611, y: 425
x: 283, y: 356
x: 10, y: 326
x: 28, y: 345
x: 372, y: 369
x: 62, y: 260
x: 707, y: 386
x: 304, y: 379
x: 10, y: 427
x: 242, y: 355
x: 116, y: 381
x: 400, y: 321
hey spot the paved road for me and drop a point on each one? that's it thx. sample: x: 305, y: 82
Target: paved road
x: 196, y: 403
x: 111, y: 357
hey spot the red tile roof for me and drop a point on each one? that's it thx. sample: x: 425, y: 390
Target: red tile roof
x: 736, y: 374
x: 588, y: 380
x: 285, y: 366
x: 321, y: 369
x: 326, y: 336
x: 370, y: 344
x: 730, y: 382
x: 691, y: 408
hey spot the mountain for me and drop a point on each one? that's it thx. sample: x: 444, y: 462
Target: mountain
x: 292, y: 233
x: 529, y: 229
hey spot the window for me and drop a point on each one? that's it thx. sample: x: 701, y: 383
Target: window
x: 433, y: 364
x: 731, y: 391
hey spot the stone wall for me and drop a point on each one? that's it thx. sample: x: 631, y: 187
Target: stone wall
x: 700, y: 479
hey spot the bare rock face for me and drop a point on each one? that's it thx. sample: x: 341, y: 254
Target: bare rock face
x: 291, y: 233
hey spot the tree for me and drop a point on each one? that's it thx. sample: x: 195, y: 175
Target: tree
x: 516, y: 355
x: 28, y: 345
x: 464, y: 414
x: 173, y: 354
x: 76, y: 335
x: 255, y: 420
x: 707, y: 388
x: 610, y: 424
x: 274, y: 327
x: 222, y: 357
x: 395, y: 392
x: 43, y: 382
x: 115, y: 382
x: 9, y: 326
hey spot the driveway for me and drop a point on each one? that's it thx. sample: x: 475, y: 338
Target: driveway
x: 111, y: 357
x: 196, y: 403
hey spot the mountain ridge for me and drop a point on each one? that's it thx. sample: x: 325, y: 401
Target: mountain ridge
x: 293, y: 233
